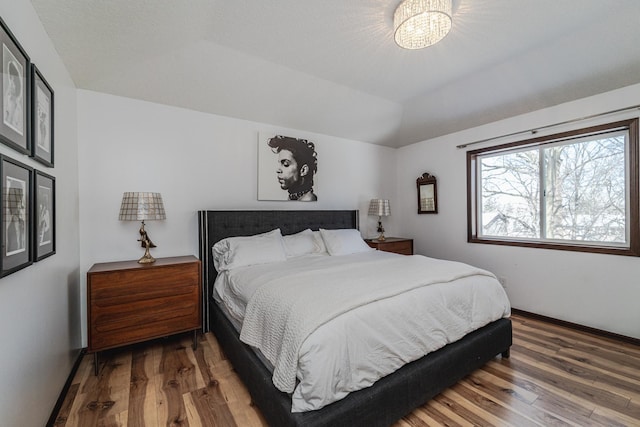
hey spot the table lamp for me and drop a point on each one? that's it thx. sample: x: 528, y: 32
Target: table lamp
x: 380, y: 207
x: 140, y: 207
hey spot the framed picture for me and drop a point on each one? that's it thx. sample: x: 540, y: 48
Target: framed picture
x: 15, y: 91
x: 41, y: 118
x: 287, y: 168
x: 15, y: 232
x: 44, y: 215
x: 427, y: 194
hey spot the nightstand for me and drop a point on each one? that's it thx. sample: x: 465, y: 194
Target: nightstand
x: 128, y: 302
x: 392, y: 244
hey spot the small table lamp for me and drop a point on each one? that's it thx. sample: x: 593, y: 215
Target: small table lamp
x: 141, y: 207
x: 380, y: 207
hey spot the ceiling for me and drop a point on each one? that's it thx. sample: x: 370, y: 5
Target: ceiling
x: 332, y: 67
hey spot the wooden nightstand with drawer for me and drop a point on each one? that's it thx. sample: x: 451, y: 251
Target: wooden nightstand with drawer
x: 392, y: 244
x: 128, y: 302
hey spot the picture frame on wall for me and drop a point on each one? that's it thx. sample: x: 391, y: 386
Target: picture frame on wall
x: 16, y: 201
x: 42, y: 110
x: 287, y: 168
x: 427, y: 194
x: 15, y: 93
x: 44, y: 215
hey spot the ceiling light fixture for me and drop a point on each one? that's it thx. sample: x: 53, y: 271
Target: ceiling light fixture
x: 421, y: 23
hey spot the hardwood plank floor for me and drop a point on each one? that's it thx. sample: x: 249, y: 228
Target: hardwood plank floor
x: 555, y: 376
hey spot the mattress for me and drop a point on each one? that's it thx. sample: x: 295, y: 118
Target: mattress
x: 354, y: 349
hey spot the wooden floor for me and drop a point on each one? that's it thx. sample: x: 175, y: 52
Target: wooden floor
x: 555, y: 376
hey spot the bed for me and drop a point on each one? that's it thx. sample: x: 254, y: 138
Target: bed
x: 391, y: 397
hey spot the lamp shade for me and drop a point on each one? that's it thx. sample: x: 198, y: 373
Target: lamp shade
x: 421, y: 23
x: 141, y: 207
x: 379, y: 207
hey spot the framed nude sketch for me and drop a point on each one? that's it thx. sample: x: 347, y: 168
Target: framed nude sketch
x: 427, y: 194
x: 44, y: 224
x: 14, y: 92
x: 42, y: 118
x: 15, y: 232
x: 287, y: 168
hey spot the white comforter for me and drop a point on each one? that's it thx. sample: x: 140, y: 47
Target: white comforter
x: 353, y: 319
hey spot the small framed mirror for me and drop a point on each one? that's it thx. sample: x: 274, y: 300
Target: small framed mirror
x: 427, y: 194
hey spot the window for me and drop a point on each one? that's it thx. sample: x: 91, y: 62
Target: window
x: 576, y: 191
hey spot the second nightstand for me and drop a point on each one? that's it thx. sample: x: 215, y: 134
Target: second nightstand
x: 393, y: 244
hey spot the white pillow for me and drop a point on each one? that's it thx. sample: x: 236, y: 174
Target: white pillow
x: 241, y: 251
x: 320, y: 247
x: 302, y: 243
x: 344, y: 241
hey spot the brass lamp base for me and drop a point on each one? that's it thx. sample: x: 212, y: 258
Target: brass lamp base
x: 380, y: 230
x: 146, y: 243
x: 146, y: 258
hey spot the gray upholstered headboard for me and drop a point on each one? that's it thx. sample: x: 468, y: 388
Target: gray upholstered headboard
x: 217, y: 225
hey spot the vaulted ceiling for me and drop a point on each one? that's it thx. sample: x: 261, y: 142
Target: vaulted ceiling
x: 332, y: 67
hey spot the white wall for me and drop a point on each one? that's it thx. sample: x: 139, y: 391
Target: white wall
x: 40, y: 304
x: 198, y: 161
x: 600, y: 291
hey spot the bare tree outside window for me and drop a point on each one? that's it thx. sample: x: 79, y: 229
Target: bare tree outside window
x: 585, y: 191
x: 510, y: 195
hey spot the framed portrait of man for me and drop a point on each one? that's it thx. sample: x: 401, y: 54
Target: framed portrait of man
x: 15, y: 91
x: 44, y: 215
x: 42, y: 118
x: 287, y: 168
x: 15, y: 233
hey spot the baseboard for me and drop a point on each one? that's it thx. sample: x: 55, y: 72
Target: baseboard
x: 576, y: 326
x: 65, y: 389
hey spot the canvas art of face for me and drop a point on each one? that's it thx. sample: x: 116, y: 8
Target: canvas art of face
x: 286, y: 168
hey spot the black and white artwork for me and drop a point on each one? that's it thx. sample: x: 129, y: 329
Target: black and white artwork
x: 16, y: 215
x: 42, y: 114
x: 15, y: 238
x: 287, y: 168
x: 14, y: 88
x: 14, y: 126
x: 44, y: 243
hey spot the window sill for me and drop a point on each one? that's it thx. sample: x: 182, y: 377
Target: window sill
x: 608, y: 250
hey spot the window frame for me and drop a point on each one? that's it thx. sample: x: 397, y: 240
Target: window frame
x: 632, y: 183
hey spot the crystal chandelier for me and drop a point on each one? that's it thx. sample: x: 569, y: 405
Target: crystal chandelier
x: 421, y: 23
